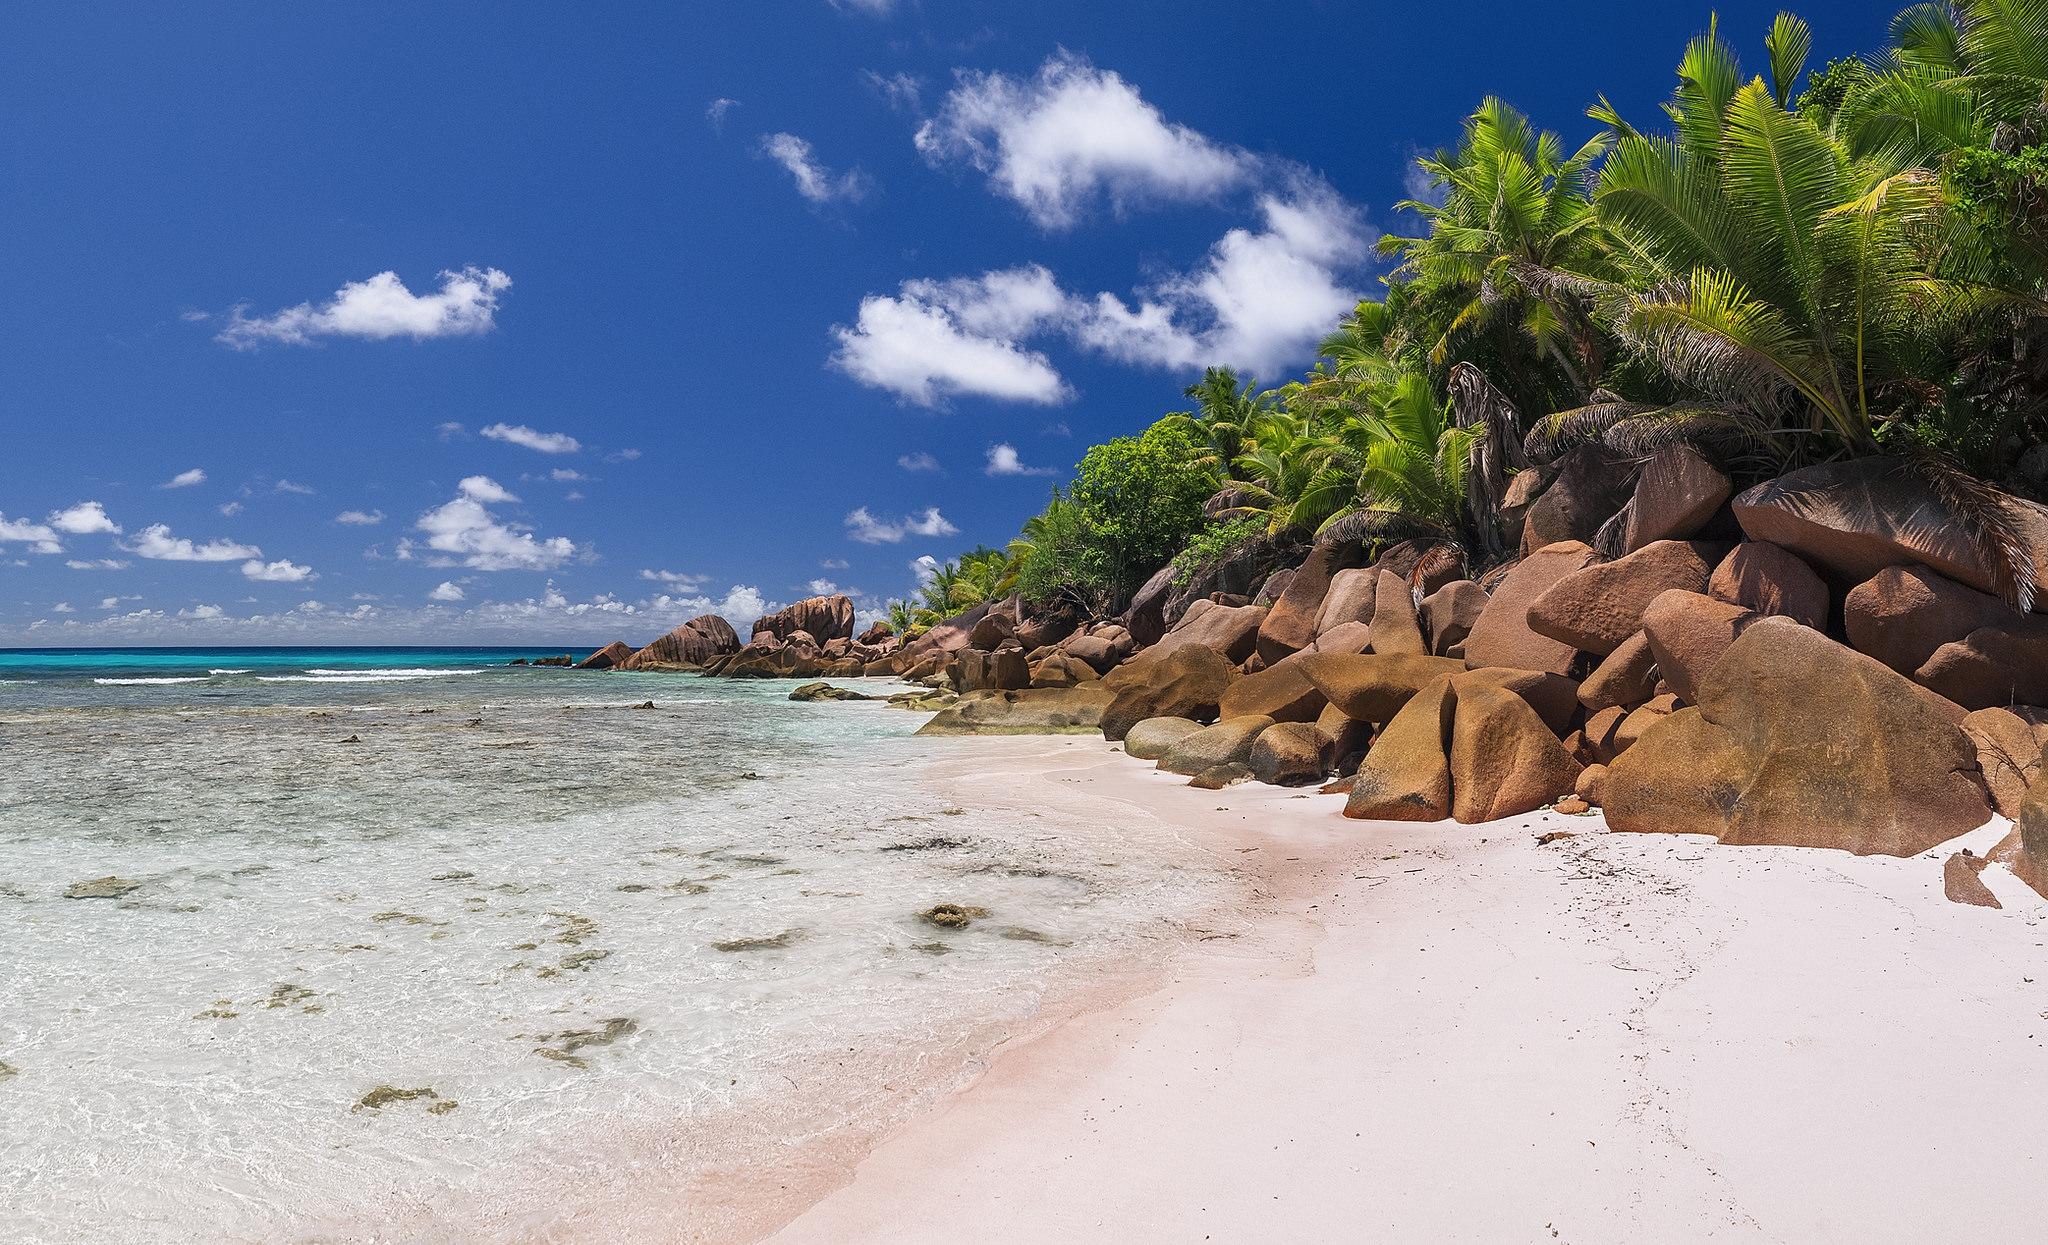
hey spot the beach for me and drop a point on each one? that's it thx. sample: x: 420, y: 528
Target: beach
x: 1440, y: 1032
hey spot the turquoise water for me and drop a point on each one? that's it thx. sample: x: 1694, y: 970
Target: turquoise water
x: 625, y: 928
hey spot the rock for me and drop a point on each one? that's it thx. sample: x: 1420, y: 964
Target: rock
x: 1601, y: 733
x: 1799, y: 741
x: 1372, y: 687
x: 1596, y: 609
x: 1146, y: 618
x: 1233, y: 573
x: 1771, y: 581
x: 1273, y: 587
x: 698, y: 642
x: 1524, y: 487
x: 1062, y: 670
x: 1688, y: 632
x: 1501, y: 635
x: 1185, y: 683
x: 825, y: 618
x: 1902, y: 614
x: 1291, y: 754
x: 820, y: 691
x: 1554, y: 697
x: 1395, y: 630
x: 1221, y: 744
x: 1153, y: 738
x: 1281, y: 692
x: 2009, y: 745
x: 1217, y: 777
x: 1504, y: 760
x: 1449, y: 613
x: 1349, y: 738
x: 1640, y: 719
x: 951, y: 915
x: 1230, y: 630
x: 1960, y: 883
x: 1034, y: 711
x: 1351, y: 637
x: 1572, y: 806
x: 1592, y: 781
x: 108, y: 887
x: 2001, y: 665
x: 1407, y: 774
x: 1677, y: 492
x: 973, y: 670
x: 2025, y: 849
x: 1049, y: 627
x: 1439, y: 565
x: 605, y: 658
x: 1291, y: 623
x: 562, y: 660
x: 989, y: 634
x: 1097, y: 652
x: 1349, y: 599
x: 1590, y: 486
x: 877, y: 633
x: 1852, y: 519
x: 1627, y: 676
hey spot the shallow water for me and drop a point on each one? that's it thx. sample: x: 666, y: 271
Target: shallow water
x: 520, y: 945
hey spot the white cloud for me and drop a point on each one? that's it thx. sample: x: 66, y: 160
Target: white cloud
x: 467, y: 529
x: 564, y: 475
x: 484, y: 489
x: 97, y: 564
x: 185, y: 479
x: 378, y: 309
x: 1055, y: 143
x: 918, y: 461
x: 834, y: 564
x: 935, y: 339
x: 814, y: 181
x: 622, y: 456
x: 107, y: 603
x: 203, y: 612
x: 873, y: 8
x: 678, y: 579
x: 39, y: 537
x: 281, y: 571
x: 715, y: 111
x: 904, y: 92
x: 288, y: 486
x: 925, y: 567
x: 544, y: 442
x: 823, y: 587
x: 1003, y: 461
x: 84, y: 519
x: 229, y: 509
x: 156, y: 541
x: 447, y: 590
x: 869, y: 530
x: 360, y: 518
x: 62, y: 607
x: 448, y: 430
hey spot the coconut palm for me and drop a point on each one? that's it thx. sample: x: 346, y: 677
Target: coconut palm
x: 1222, y: 422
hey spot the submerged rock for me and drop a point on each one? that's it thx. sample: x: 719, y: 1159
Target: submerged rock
x: 951, y: 915
x: 825, y: 691
x: 1030, y: 711
x: 108, y: 887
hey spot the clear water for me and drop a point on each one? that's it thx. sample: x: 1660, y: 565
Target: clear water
x: 581, y: 935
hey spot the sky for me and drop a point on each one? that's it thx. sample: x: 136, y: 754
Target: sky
x: 456, y: 323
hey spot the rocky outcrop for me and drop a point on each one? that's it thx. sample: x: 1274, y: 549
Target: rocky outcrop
x: 1448, y: 615
x: 1230, y: 630
x: 1281, y: 692
x: 2009, y: 746
x: 1677, y: 493
x: 877, y: 634
x: 1291, y: 624
x: 1146, y: 617
x: 1222, y: 744
x: 1349, y: 599
x: 2025, y: 849
x: 1186, y: 683
x: 1625, y: 677
x: 1961, y: 883
x: 825, y: 618
x: 1503, y: 759
x: 1999, y: 665
x: 1903, y: 613
x: 1061, y: 669
x: 1372, y: 687
x: 1598, y: 608
x: 1799, y: 741
x: 1395, y: 628
x: 992, y: 631
x: 1154, y: 737
x: 1590, y: 484
x: 1770, y: 580
x: 1502, y: 637
x: 1406, y: 776
x: 1035, y: 711
x: 1852, y: 519
x: 1687, y: 633
x: 698, y: 642
x: 613, y: 654
x: 1290, y: 754
x: 973, y: 670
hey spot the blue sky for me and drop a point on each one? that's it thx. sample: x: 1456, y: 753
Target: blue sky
x: 455, y: 323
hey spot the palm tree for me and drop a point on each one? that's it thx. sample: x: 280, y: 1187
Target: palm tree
x: 1223, y: 418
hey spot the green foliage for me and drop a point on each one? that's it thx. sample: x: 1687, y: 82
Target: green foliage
x: 1212, y: 542
x: 1139, y: 500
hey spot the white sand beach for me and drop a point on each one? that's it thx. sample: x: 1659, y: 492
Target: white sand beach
x: 1441, y: 1032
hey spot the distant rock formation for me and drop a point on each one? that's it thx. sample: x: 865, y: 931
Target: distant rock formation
x: 615, y: 653
x: 698, y: 642
x: 824, y: 618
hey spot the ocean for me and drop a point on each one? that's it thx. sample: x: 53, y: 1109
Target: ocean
x: 405, y: 943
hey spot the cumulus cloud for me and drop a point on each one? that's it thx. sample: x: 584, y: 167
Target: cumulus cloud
x: 62, y: 607
x: 447, y: 590
x: 39, y: 537
x: 936, y: 339
x: 203, y: 612
x: 814, y: 181
x: 360, y: 518
x: 1003, y: 461
x: 918, y: 461
x: 84, y: 519
x: 156, y: 541
x: 185, y: 479
x: 281, y: 571
x: 563, y: 475
x: 1056, y: 143
x: 466, y: 529
x: 378, y: 309
x: 863, y: 526
x: 544, y: 442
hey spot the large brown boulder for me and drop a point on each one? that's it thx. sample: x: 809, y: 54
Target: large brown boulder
x: 993, y: 629
x: 605, y: 658
x: 698, y: 642
x: 1186, y: 683
x: 877, y: 633
x: 1372, y: 687
x: 1626, y: 677
x: 1224, y: 743
x: 1677, y: 492
x: 1291, y: 624
x: 1449, y: 613
x: 1230, y: 630
x: 1349, y: 599
x: 1852, y: 519
x: 1903, y: 613
x: 1688, y: 632
x: 1349, y: 738
x: 1033, y: 711
x: 1049, y: 627
x: 1407, y: 774
x: 2009, y: 744
x: 1060, y: 669
x: 1155, y: 737
x: 1554, y: 697
x: 1770, y: 580
x: 1146, y: 617
x: 1501, y: 636
x: 2025, y: 849
x: 1599, y: 607
x: 973, y: 670
x: 2000, y: 665
x: 1395, y: 629
x: 1799, y: 741
x: 1351, y: 637
x: 1503, y: 759
x: 1281, y: 692
x: 1291, y: 754
x: 826, y: 618
x: 1590, y: 485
